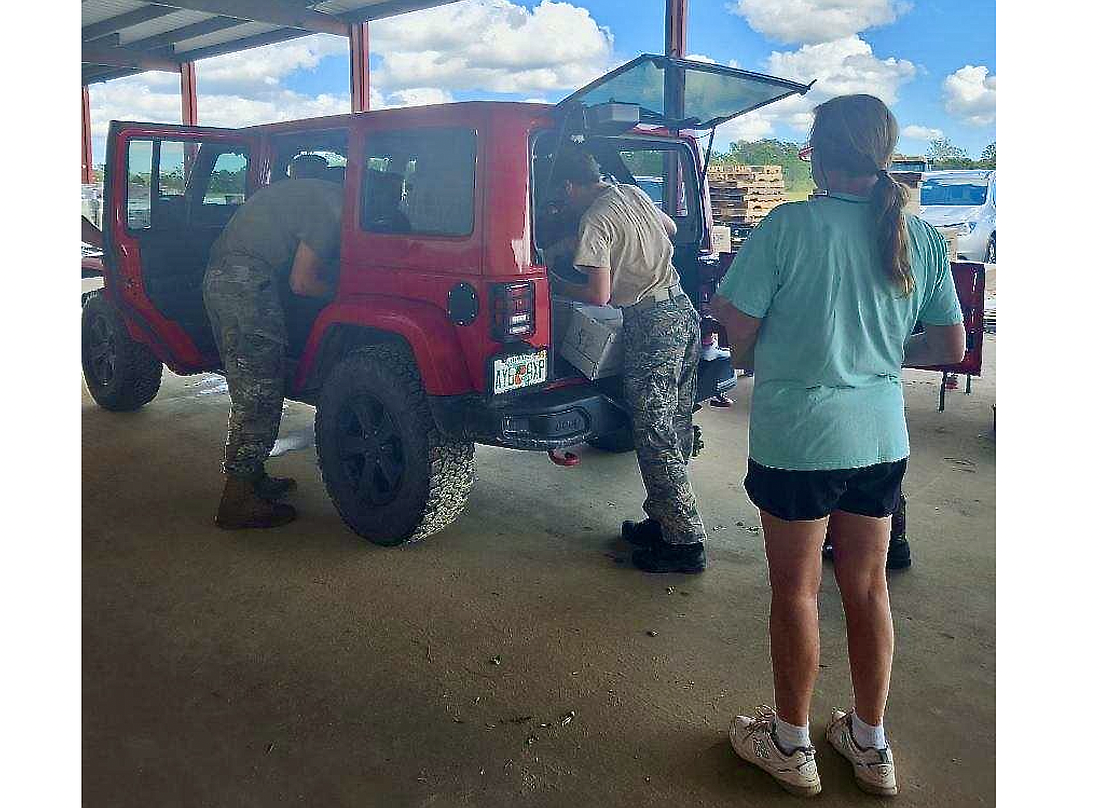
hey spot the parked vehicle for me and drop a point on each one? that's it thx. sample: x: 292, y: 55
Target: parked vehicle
x: 906, y: 164
x: 440, y: 333
x: 964, y: 202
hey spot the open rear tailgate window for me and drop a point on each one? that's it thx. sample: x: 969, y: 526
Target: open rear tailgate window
x: 712, y: 93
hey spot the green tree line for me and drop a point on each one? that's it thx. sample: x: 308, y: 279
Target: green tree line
x: 796, y: 173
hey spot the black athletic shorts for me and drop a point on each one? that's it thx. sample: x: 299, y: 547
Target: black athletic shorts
x: 806, y: 495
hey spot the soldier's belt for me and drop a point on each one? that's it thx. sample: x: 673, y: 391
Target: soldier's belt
x: 658, y: 296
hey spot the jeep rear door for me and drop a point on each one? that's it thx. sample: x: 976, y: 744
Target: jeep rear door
x: 169, y: 191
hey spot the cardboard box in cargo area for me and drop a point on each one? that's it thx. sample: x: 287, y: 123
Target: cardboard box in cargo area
x: 589, y: 338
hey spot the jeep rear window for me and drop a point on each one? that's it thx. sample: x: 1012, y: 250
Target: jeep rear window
x: 419, y: 181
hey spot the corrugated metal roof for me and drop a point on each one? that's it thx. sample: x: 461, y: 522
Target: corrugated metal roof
x: 99, y: 10
x: 238, y: 32
x: 121, y: 36
x: 161, y: 25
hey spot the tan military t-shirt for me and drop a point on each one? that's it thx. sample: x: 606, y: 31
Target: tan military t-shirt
x: 622, y: 230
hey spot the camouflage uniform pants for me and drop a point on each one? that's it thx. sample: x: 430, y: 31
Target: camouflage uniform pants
x: 661, y: 343
x: 246, y: 317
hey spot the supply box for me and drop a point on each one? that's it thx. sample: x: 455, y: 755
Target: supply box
x: 589, y: 337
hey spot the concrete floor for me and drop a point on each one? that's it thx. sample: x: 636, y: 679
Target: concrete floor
x: 306, y: 666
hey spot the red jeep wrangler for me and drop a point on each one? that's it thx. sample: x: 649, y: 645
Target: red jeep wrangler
x: 440, y: 333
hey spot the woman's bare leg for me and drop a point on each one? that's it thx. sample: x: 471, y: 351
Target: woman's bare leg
x: 794, y: 567
x: 859, y: 563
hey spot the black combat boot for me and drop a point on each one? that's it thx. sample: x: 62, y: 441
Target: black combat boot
x: 242, y: 507
x: 642, y: 534
x: 897, y: 554
x: 664, y: 557
x: 274, y: 488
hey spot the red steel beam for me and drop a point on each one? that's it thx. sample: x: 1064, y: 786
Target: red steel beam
x: 189, y: 96
x: 675, y: 45
x: 359, y: 48
x: 87, y: 172
x: 676, y: 28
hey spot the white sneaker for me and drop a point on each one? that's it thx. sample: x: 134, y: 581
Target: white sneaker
x: 754, y: 740
x: 874, y: 768
x: 712, y: 352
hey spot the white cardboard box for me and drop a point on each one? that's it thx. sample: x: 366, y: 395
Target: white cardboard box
x: 589, y: 338
x: 720, y: 239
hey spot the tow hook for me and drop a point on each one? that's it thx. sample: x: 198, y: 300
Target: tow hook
x: 560, y: 457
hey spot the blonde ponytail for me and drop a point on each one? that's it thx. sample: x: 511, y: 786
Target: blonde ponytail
x: 888, y: 200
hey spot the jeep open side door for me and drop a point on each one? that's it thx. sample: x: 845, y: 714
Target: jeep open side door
x: 170, y: 190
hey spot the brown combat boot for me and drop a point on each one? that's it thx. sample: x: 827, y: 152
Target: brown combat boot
x: 274, y: 487
x: 241, y: 507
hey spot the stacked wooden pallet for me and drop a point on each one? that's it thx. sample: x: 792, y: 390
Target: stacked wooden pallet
x: 740, y: 196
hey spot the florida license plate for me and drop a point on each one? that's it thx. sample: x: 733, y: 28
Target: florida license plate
x: 520, y: 370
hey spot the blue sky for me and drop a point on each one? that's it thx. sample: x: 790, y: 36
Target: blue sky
x: 933, y: 62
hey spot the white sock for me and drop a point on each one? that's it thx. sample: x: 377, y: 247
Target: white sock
x: 790, y: 736
x: 866, y: 735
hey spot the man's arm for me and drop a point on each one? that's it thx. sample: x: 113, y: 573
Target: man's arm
x: 597, y: 291
x: 740, y: 328
x: 307, y: 274
x: 936, y: 345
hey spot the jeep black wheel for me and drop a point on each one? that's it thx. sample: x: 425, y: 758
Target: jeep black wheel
x: 619, y: 441
x: 121, y: 373
x: 991, y: 250
x: 392, y: 475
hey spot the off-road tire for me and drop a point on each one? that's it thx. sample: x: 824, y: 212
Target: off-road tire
x: 121, y: 373
x: 618, y: 441
x: 991, y: 250
x: 437, y: 472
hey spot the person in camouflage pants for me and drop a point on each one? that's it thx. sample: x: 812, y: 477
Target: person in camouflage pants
x: 661, y: 344
x: 283, y: 236
x: 246, y: 317
x: 624, y: 250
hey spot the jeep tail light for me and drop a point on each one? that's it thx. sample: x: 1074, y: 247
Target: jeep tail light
x: 513, y: 311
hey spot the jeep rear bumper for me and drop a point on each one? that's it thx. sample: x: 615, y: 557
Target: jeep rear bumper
x: 546, y: 419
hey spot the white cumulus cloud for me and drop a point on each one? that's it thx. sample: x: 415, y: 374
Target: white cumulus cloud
x: 492, y: 45
x: 917, y: 132
x: 970, y: 94
x: 815, y: 21
x: 840, y: 67
x: 418, y: 97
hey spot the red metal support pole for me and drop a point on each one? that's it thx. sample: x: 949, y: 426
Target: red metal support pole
x: 87, y: 171
x: 675, y: 45
x: 359, y: 47
x: 675, y: 28
x: 189, y: 96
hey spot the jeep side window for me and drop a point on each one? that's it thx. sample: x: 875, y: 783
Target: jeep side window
x: 331, y: 145
x: 419, y: 181
x: 159, y: 203
x: 139, y: 180
x: 227, y: 180
x: 175, y: 165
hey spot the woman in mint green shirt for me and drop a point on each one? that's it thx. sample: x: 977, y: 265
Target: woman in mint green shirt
x: 822, y: 302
